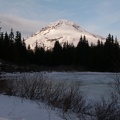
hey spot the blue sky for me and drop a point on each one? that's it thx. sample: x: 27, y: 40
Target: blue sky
x: 28, y: 16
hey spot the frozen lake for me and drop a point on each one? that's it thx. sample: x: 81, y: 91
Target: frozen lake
x: 94, y: 84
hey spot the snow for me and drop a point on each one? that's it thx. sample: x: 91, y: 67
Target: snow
x: 62, y: 29
x: 94, y: 84
x: 13, y: 108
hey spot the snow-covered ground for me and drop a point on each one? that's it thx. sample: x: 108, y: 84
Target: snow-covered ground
x: 13, y: 108
x: 93, y: 84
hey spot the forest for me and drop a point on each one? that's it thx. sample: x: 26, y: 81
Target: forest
x: 103, y: 57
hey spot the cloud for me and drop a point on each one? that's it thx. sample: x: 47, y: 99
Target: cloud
x: 29, y: 9
x: 25, y: 26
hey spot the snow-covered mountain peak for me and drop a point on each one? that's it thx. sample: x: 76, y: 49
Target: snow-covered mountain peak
x: 62, y: 21
x: 62, y: 31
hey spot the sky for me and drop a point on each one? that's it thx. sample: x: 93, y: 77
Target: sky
x: 28, y: 16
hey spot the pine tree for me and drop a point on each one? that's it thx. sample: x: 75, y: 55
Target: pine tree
x: 82, y: 52
x: 57, y: 53
x: 111, y: 54
x: 11, y: 35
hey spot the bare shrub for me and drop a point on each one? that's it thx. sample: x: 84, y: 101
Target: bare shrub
x: 3, y: 84
x: 73, y: 98
x: 106, y: 109
x: 30, y: 86
x: 25, y: 86
x: 66, y: 97
x: 69, y: 99
x: 116, y: 83
x: 7, y: 87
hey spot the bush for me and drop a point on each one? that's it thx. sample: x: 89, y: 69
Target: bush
x: 106, y: 109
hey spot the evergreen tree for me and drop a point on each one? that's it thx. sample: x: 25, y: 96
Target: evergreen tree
x: 11, y: 35
x: 82, y: 52
x: 39, y: 55
x: 111, y: 54
x: 30, y: 55
x: 57, y: 53
x: 5, y: 52
x: 97, y: 57
x: 20, y: 49
x: 1, y: 44
x: 68, y: 54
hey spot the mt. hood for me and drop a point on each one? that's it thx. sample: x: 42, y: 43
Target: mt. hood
x: 62, y: 31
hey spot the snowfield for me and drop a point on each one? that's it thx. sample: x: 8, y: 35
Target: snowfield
x: 93, y: 85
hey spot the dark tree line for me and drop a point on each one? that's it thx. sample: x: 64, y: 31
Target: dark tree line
x: 12, y: 48
x: 101, y: 57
